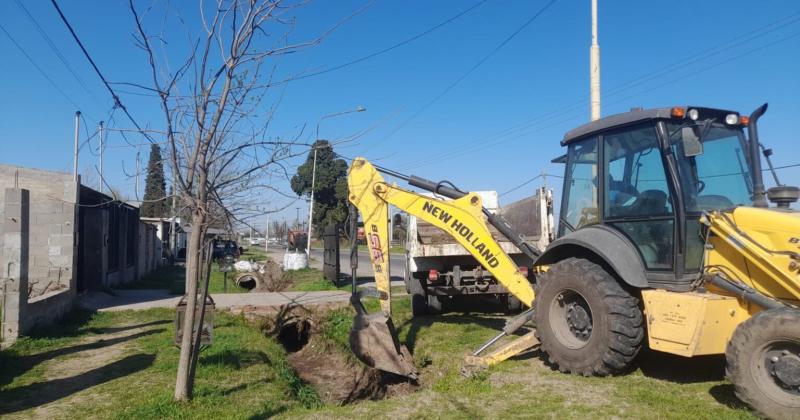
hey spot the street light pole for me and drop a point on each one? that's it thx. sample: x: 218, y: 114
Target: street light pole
x: 314, y: 172
x: 75, y: 148
x: 594, y: 67
x: 101, y: 157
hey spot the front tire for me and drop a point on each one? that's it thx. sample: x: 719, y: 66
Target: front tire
x: 763, y: 362
x: 586, y: 322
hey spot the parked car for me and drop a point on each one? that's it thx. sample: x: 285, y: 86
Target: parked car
x: 224, y: 248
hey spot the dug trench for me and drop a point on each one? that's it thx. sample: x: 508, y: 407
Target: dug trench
x: 337, y: 377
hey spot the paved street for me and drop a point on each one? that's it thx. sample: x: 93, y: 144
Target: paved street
x: 155, y: 298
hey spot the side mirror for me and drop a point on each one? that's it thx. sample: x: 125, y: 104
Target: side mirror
x: 692, y: 146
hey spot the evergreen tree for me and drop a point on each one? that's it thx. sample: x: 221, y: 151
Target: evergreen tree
x: 330, y: 186
x: 155, y: 187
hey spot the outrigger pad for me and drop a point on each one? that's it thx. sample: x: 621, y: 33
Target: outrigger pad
x: 374, y: 341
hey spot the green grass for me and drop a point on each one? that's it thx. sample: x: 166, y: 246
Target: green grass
x: 310, y: 280
x: 168, y: 277
x: 662, y: 386
x: 245, y: 375
x: 242, y: 375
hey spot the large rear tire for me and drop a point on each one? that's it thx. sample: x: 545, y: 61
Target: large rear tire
x: 763, y: 362
x: 419, y: 299
x: 587, y: 323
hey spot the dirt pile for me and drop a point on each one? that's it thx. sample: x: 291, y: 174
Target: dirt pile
x: 337, y: 378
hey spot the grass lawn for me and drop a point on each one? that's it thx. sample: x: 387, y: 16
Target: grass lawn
x: 310, y: 279
x: 68, y: 372
x: 123, y: 365
x: 662, y: 386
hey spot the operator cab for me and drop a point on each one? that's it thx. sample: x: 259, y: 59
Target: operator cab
x: 649, y: 175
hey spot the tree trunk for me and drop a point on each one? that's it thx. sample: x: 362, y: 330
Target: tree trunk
x: 183, y: 390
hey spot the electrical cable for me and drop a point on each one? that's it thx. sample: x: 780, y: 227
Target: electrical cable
x: 392, y: 47
x: 474, y: 67
x: 30, y: 59
x: 117, y: 101
x: 55, y: 50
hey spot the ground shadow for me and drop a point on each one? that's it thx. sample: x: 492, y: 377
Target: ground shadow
x: 14, y: 365
x: 679, y: 369
x: 112, y: 330
x: 235, y: 359
x: 726, y: 395
x: 345, y: 280
x: 39, y: 393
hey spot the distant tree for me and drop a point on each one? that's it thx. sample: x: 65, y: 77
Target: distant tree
x: 155, y: 187
x: 330, y: 185
x: 278, y: 230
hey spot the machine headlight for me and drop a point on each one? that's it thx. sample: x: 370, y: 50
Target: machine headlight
x: 731, y: 119
x: 693, y: 114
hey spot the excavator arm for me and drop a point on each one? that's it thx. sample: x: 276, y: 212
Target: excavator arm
x: 462, y: 218
x: 373, y: 338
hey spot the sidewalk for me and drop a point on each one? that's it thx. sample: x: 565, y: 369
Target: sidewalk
x: 123, y: 300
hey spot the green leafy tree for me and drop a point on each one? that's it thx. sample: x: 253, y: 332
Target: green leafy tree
x: 330, y: 186
x: 155, y: 187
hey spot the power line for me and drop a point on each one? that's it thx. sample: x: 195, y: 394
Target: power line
x: 474, y: 67
x: 392, y: 47
x: 30, y: 59
x: 117, y: 101
x: 55, y: 49
x: 498, y: 138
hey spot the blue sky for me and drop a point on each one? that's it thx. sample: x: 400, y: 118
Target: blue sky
x: 496, y: 128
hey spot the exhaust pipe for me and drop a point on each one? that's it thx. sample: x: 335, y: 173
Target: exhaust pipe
x: 759, y: 193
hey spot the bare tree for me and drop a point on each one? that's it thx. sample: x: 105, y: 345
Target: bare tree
x: 215, y: 143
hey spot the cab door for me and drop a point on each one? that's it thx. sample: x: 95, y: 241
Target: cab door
x: 636, y: 197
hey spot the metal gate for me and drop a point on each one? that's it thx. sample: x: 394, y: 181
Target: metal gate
x: 330, y: 253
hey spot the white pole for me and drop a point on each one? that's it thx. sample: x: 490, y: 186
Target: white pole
x: 101, y: 157
x: 311, y: 202
x: 75, y: 151
x: 266, y: 236
x: 594, y: 67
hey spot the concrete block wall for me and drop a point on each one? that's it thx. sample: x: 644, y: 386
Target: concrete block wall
x: 52, y: 241
x: 21, y: 312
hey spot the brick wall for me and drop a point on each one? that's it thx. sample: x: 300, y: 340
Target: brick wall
x: 52, y: 242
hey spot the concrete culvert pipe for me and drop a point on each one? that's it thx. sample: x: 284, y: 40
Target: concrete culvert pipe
x: 246, y: 281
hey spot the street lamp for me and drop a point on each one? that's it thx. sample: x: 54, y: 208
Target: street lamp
x: 314, y: 172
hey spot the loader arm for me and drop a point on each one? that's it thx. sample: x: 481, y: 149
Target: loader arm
x: 461, y: 218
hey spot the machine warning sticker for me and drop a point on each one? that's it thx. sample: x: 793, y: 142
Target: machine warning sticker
x: 672, y: 317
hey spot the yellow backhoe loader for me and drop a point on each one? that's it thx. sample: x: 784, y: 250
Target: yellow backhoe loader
x: 665, y: 235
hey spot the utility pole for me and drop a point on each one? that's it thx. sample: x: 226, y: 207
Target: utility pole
x: 311, y: 203
x: 297, y: 217
x: 101, y: 157
x: 266, y: 236
x: 136, y: 187
x: 594, y: 67
x: 75, y: 148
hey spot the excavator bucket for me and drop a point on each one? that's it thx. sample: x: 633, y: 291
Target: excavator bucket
x: 374, y: 341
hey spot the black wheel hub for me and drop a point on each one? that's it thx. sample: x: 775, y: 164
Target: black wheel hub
x: 572, y: 318
x: 580, y: 324
x: 783, y: 365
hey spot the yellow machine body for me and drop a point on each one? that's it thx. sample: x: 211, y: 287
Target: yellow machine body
x: 754, y: 246
x: 746, y: 245
x: 691, y: 324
